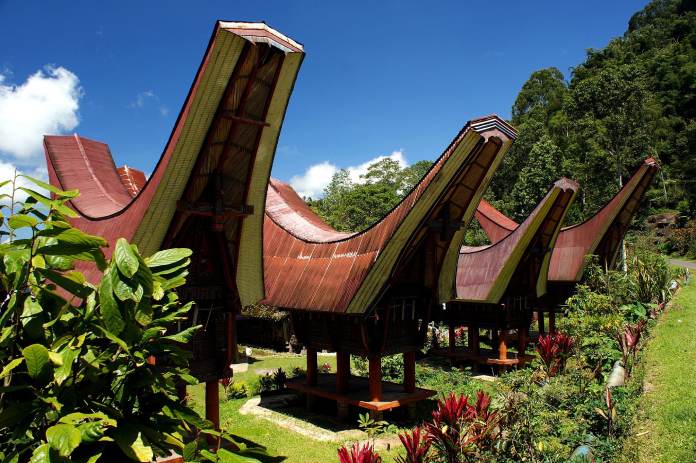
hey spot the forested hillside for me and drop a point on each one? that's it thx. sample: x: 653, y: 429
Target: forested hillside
x: 633, y: 99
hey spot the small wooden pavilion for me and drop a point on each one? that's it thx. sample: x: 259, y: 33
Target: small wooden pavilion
x: 372, y: 293
x: 497, y: 284
x: 208, y: 189
x: 600, y: 235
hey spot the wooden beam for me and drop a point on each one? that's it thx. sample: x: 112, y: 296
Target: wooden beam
x: 410, y: 371
x: 342, y: 371
x: 311, y: 366
x: 212, y: 403
x: 375, y: 378
x: 230, y: 114
x: 502, y: 345
x: 452, y: 337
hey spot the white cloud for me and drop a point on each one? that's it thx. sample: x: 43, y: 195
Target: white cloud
x: 47, y: 103
x: 142, y: 98
x: 318, y: 176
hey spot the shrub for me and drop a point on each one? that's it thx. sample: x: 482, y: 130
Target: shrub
x: 359, y: 454
x: 416, y: 445
x: 78, y: 380
x: 554, y: 350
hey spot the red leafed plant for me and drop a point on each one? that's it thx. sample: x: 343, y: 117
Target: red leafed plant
x: 459, y: 428
x: 629, y: 338
x: 416, y: 445
x: 359, y: 454
x: 554, y: 350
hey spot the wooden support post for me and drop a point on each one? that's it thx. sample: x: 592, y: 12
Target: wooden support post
x: 502, y: 345
x: 342, y: 371
x: 231, y: 335
x: 375, y: 378
x: 552, y: 320
x: 540, y: 311
x: 452, y: 337
x: 474, y: 342
x: 212, y: 403
x: 495, y: 343
x: 410, y: 371
x: 311, y: 366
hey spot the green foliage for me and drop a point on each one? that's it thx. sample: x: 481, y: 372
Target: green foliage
x: 374, y: 427
x: 633, y: 98
x: 392, y: 367
x: 77, y: 383
x: 354, y: 206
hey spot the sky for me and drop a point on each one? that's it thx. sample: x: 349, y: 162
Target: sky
x: 380, y: 79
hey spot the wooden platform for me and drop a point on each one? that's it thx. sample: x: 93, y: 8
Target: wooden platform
x: 393, y: 395
x: 484, y: 357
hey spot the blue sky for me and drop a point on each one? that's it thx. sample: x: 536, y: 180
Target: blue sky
x: 378, y: 78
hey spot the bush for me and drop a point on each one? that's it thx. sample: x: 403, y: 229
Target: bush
x: 78, y: 380
x: 392, y: 367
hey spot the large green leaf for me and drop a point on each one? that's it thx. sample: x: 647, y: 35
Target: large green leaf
x: 109, y: 307
x: 36, y: 357
x: 51, y: 188
x: 126, y: 259
x: 131, y: 442
x: 49, y: 203
x: 18, y: 221
x: 10, y: 366
x: 64, y: 438
x: 72, y: 282
x: 184, y: 336
x: 63, y: 372
x: 167, y: 257
x: 41, y: 454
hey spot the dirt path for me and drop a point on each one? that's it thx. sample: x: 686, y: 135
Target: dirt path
x: 682, y: 263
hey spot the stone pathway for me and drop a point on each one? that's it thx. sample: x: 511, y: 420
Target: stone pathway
x: 682, y: 263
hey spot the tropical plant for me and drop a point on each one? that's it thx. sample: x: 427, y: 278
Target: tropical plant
x: 554, y: 350
x: 81, y: 380
x: 359, y: 454
x: 609, y: 413
x: 628, y: 338
x: 459, y: 429
x: 416, y: 445
x: 373, y: 427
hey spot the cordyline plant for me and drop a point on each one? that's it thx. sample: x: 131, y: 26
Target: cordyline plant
x: 628, y: 338
x: 359, y: 454
x: 460, y: 430
x: 76, y: 381
x: 554, y: 351
x: 416, y: 444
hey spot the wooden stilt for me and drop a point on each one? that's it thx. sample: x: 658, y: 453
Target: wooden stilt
x: 375, y: 378
x: 342, y: 371
x: 231, y: 347
x: 311, y: 366
x: 410, y: 371
x: 474, y: 341
x: 552, y: 321
x: 495, y: 343
x: 452, y: 337
x: 212, y: 403
x: 540, y: 313
x: 502, y: 345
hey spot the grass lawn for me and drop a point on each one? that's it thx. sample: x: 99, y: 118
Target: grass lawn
x: 292, y: 447
x: 666, y: 430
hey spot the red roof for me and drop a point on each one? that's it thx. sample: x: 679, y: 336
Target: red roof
x: 517, y: 263
x: 229, y: 126
x: 308, y: 265
x: 600, y: 235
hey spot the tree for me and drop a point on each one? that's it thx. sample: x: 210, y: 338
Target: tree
x: 536, y: 177
x: 78, y: 382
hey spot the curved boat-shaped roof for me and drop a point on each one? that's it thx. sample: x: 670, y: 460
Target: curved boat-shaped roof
x: 601, y: 234
x: 517, y: 264
x: 216, y: 162
x: 310, y: 266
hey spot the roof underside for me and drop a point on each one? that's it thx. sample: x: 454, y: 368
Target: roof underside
x: 599, y: 235
x: 517, y: 264
x: 222, y: 145
x: 310, y: 266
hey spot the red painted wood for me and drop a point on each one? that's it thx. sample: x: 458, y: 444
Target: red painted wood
x: 375, y: 377
x: 410, y: 371
x: 212, y: 403
x: 342, y: 371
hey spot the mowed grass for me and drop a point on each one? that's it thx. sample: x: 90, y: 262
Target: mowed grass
x: 282, y: 444
x: 666, y: 430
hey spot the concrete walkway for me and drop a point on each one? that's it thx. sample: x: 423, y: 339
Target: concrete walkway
x: 682, y: 263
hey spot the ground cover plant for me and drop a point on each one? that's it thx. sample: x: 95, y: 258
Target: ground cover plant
x: 78, y: 361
